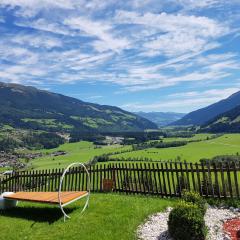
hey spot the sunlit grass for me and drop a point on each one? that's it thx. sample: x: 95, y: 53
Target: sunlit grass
x: 76, y: 152
x: 192, y: 152
x: 109, y: 217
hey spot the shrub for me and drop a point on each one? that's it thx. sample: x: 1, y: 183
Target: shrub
x: 224, y: 202
x: 186, y: 222
x: 195, y: 198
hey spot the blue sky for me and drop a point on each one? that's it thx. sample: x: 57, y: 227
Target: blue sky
x: 141, y: 55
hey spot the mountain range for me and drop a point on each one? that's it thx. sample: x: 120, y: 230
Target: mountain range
x: 210, y: 113
x: 161, y: 118
x: 226, y: 122
x: 31, y: 108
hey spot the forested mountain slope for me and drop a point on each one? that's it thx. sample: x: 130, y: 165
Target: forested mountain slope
x: 202, y: 116
x: 28, y: 107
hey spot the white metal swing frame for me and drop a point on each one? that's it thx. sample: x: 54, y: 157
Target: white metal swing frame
x: 87, y: 195
x: 54, y: 198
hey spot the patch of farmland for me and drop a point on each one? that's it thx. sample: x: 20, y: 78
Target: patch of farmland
x: 192, y: 152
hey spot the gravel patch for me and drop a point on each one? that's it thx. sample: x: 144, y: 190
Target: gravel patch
x: 155, y: 228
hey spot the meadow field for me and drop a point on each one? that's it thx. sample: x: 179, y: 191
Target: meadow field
x: 75, y: 152
x: 192, y: 152
x: 200, y: 136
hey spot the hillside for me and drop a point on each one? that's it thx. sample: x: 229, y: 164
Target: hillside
x: 161, y: 118
x: 31, y: 108
x: 202, y: 116
x: 226, y: 122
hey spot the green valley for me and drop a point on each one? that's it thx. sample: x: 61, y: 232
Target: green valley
x: 228, y: 144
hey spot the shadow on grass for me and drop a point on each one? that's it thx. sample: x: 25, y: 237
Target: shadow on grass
x: 36, y: 214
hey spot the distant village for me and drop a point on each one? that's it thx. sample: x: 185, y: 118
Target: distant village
x: 16, y: 161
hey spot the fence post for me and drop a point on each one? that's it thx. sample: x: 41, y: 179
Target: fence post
x: 193, y: 177
x: 236, y: 179
x: 199, y: 180
x: 229, y: 180
x: 216, y: 180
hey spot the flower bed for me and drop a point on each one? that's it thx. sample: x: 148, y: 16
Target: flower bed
x: 232, y: 228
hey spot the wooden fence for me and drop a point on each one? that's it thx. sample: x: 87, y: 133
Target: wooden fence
x: 168, y: 179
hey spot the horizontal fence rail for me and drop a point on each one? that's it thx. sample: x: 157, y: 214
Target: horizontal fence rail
x: 165, y: 179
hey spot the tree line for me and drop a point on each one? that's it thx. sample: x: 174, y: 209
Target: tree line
x: 31, y: 141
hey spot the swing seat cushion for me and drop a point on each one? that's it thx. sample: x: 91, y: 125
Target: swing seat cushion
x: 47, y: 197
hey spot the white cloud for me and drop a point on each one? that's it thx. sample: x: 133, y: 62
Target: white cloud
x: 46, y: 26
x: 171, y: 22
x: 220, y: 93
x: 18, y: 55
x: 182, y: 102
x: 210, y: 69
x: 100, y: 30
x: 20, y: 69
x: 189, y: 5
x: 177, y: 34
x: 174, y: 105
x: 192, y: 4
x: 168, y: 81
x: 29, y: 8
x: 21, y: 74
x: 37, y: 40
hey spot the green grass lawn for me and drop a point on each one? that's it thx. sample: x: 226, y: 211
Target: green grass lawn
x: 200, y: 136
x: 76, y: 152
x: 109, y: 217
x: 192, y: 152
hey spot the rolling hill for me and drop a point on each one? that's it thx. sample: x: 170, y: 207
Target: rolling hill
x: 31, y: 108
x: 204, y: 115
x: 161, y: 118
x: 226, y: 122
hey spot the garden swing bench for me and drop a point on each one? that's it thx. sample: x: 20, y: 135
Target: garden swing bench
x: 61, y: 198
